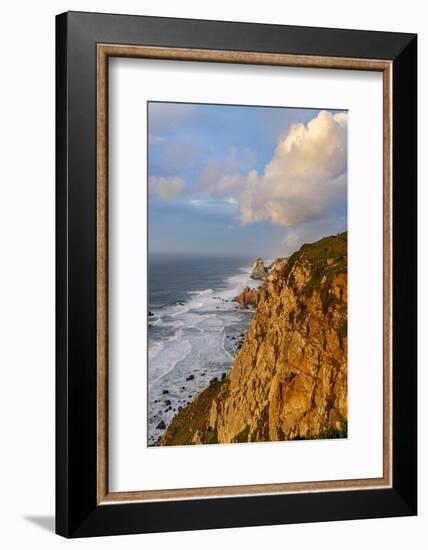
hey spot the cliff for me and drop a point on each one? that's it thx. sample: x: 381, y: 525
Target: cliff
x: 289, y: 379
x: 278, y: 264
x: 248, y: 297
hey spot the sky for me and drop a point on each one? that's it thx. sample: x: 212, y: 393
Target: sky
x: 242, y: 180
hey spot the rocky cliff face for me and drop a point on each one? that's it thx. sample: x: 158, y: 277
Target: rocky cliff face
x: 248, y: 297
x: 278, y: 264
x: 289, y: 380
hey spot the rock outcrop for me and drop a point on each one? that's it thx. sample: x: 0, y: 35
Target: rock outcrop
x: 278, y: 265
x: 289, y: 380
x: 248, y: 297
x: 259, y: 271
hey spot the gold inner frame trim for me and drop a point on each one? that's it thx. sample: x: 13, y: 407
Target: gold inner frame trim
x: 104, y: 51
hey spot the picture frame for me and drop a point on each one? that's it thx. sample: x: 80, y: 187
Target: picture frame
x: 84, y: 44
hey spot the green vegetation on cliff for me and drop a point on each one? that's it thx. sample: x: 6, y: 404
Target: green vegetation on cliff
x: 192, y: 420
x: 327, y: 256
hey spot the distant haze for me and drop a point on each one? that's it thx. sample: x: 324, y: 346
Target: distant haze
x: 247, y: 181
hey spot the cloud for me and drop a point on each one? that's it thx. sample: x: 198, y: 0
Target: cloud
x: 228, y: 204
x: 216, y: 174
x: 179, y: 154
x: 196, y: 202
x: 220, y: 178
x: 166, y: 187
x: 169, y: 157
x: 209, y: 209
x: 306, y: 176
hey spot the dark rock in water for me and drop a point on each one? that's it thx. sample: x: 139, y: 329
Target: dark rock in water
x: 180, y: 408
x: 191, y: 377
x: 214, y: 380
x: 165, y: 392
x: 223, y: 376
x: 167, y: 402
x: 202, y: 374
x: 151, y: 314
x: 183, y: 387
x: 161, y: 425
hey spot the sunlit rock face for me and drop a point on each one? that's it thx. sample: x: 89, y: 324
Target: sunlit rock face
x: 248, y: 297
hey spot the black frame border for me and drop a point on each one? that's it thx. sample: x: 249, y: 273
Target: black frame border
x: 77, y: 512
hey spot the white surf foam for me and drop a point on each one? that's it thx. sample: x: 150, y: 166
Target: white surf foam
x: 205, y: 292
x: 166, y: 358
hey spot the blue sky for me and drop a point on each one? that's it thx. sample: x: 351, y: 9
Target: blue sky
x: 254, y: 181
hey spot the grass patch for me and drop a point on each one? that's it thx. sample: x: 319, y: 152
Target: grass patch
x: 195, y: 418
x: 242, y: 437
x: 335, y: 433
x: 328, y: 433
x: 328, y: 258
x: 329, y: 250
x: 334, y: 247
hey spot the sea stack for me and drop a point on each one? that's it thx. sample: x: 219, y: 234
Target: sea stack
x: 259, y: 271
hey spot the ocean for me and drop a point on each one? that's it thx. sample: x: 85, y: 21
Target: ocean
x: 194, y: 328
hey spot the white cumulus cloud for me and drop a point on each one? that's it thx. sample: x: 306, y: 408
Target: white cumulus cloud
x: 166, y: 187
x: 306, y: 176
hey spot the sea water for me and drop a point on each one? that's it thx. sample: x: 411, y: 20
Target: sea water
x: 194, y: 328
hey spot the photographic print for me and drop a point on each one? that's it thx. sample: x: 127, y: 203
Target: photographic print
x: 203, y: 231
x: 247, y: 274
